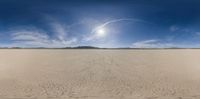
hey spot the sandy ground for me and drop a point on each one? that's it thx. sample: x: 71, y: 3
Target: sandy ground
x: 99, y: 74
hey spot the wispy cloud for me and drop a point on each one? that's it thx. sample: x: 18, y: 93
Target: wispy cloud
x: 35, y: 37
x: 153, y: 43
x: 24, y: 35
x: 197, y: 34
x: 92, y: 35
x: 174, y: 28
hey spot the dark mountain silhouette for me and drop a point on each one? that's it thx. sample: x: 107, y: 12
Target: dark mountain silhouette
x: 82, y: 47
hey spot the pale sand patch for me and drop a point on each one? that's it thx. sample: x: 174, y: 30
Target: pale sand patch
x: 99, y: 74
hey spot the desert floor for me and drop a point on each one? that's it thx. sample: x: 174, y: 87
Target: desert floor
x: 99, y: 74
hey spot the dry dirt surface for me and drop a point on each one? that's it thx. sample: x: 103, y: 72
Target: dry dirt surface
x: 99, y: 74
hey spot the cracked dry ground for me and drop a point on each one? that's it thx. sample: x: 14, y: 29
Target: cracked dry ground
x: 99, y: 74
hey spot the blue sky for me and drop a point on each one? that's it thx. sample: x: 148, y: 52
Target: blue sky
x: 101, y: 23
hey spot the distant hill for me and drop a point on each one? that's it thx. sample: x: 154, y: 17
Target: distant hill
x: 82, y: 47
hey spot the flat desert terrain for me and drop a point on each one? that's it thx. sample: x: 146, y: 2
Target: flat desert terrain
x: 99, y: 74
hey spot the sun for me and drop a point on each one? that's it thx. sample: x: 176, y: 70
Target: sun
x: 101, y: 32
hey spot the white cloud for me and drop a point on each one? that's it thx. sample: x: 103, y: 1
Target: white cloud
x: 59, y: 30
x: 93, y: 36
x: 151, y: 44
x: 37, y: 38
x: 25, y: 35
x: 173, y: 28
x: 90, y: 37
x: 197, y: 33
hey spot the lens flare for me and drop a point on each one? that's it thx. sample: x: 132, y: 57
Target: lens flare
x: 101, y: 32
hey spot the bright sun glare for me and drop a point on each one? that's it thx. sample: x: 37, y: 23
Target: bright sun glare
x: 101, y: 32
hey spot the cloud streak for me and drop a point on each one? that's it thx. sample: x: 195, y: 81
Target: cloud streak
x: 92, y: 35
x: 34, y: 37
x: 116, y: 20
x: 151, y: 44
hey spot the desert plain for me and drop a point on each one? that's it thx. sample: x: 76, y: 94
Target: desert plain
x: 99, y: 74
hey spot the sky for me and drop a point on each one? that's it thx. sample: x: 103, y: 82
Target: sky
x: 100, y: 23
